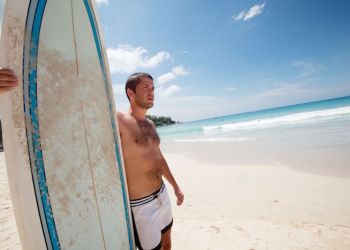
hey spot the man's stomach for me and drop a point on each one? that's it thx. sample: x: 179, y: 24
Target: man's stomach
x: 143, y: 188
x: 143, y: 179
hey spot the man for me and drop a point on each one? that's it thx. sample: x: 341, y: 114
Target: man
x: 8, y: 80
x: 145, y: 166
x: 144, y: 163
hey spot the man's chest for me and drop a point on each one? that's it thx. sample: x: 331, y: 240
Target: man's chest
x: 140, y: 135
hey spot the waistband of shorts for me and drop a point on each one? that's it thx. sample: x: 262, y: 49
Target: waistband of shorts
x: 148, y: 198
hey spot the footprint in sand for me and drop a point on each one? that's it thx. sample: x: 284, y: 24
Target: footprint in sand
x: 216, y: 229
x: 240, y: 229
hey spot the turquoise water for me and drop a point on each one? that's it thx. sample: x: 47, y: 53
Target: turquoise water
x: 295, y: 116
x: 312, y: 137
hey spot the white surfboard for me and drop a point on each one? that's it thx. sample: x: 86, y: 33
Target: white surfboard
x: 61, y: 139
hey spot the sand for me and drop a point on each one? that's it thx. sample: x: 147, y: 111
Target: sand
x: 240, y: 206
x: 8, y: 232
x: 259, y: 207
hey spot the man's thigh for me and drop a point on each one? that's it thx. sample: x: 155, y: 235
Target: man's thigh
x: 166, y: 240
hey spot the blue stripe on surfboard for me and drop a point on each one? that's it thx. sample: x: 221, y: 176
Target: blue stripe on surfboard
x: 112, y: 115
x: 31, y: 44
x: 26, y: 52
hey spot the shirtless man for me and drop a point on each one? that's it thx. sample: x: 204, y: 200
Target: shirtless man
x: 145, y: 166
x: 144, y: 163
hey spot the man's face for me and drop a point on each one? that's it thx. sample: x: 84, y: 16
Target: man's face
x: 144, y: 95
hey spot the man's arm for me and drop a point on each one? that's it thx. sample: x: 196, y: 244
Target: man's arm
x: 8, y: 80
x: 120, y: 120
x: 170, y: 178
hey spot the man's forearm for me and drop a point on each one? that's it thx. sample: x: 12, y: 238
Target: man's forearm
x: 168, y: 175
x: 170, y: 178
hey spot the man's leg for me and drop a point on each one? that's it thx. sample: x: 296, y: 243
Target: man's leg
x: 166, y: 240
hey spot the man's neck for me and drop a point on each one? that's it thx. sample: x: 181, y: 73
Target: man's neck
x: 138, y: 113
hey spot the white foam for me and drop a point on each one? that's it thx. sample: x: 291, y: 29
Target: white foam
x: 213, y: 139
x: 297, y: 118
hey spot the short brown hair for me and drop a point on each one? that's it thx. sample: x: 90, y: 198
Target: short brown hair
x: 133, y: 80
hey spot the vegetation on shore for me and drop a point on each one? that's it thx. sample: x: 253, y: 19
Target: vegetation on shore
x: 161, y: 120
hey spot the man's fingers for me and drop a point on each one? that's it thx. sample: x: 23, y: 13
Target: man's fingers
x: 7, y: 75
x: 8, y: 83
x: 7, y: 78
x: 180, y: 199
x: 5, y: 89
x: 6, y: 71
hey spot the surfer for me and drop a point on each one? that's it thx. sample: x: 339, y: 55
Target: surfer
x: 145, y: 166
x: 8, y: 80
x: 144, y: 163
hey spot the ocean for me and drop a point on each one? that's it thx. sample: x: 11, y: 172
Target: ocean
x: 315, y: 134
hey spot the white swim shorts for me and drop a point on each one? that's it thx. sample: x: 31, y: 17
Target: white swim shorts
x: 152, y: 217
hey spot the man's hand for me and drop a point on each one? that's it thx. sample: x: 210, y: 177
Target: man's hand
x: 8, y: 80
x: 179, y: 195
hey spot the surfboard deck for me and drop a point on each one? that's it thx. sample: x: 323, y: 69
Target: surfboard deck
x: 61, y: 138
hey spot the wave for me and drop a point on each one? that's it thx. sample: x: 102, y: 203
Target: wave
x: 214, y: 139
x: 293, y: 119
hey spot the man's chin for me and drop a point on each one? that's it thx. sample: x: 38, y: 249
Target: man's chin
x: 148, y: 105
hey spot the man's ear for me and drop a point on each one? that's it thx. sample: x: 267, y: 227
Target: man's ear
x: 130, y: 93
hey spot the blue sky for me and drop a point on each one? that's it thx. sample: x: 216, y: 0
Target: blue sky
x: 211, y: 59
x: 216, y: 58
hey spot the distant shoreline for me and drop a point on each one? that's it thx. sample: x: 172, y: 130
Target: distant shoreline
x: 161, y: 121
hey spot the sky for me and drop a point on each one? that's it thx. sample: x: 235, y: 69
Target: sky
x: 217, y: 58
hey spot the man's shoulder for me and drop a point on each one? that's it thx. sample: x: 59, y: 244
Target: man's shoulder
x: 151, y: 122
x: 124, y: 118
x: 120, y: 115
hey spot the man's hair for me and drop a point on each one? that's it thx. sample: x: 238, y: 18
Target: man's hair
x: 133, y: 80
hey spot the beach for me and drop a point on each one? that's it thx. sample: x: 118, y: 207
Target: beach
x: 273, y: 179
x: 9, y: 238
x: 240, y: 206
x: 270, y: 179
x: 259, y: 207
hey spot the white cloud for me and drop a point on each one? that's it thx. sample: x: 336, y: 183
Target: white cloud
x: 167, y: 77
x: 308, y: 68
x: 283, y: 90
x: 252, y: 12
x: 180, y: 70
x: 126, y: 59
x: 100, y: 2
x: 169, y: 91
x: 177, y: 71
x: 240, y: 16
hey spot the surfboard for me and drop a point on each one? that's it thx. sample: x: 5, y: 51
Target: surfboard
x: 61, y: 139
